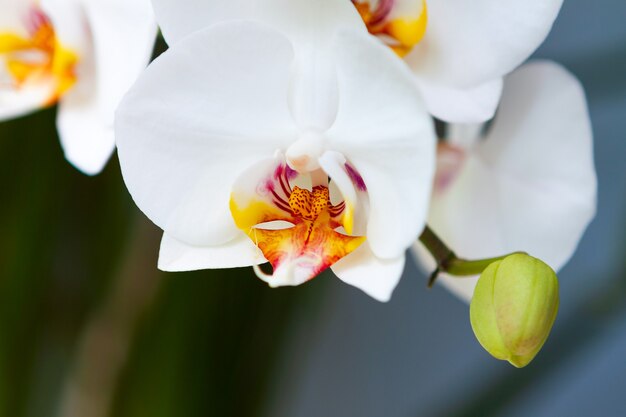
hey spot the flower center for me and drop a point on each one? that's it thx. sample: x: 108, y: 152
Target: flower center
x: 38, y: 58
x: 308, y: 205
x: 311, y: 243
x: 400, y: 24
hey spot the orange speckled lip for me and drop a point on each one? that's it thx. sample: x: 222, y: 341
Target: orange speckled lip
x: 312, y: 243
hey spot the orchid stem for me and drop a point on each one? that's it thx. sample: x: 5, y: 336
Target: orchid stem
x: 448, y: 262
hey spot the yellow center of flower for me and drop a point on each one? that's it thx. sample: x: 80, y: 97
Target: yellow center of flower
x: 399, y: 23
x: 311, y: 243
x: 39, y: 57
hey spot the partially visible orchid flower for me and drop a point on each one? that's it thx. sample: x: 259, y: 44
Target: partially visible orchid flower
x: 528, y: 185
x: 459, y: 50
x: 293, y: 137
x: 83, y: 54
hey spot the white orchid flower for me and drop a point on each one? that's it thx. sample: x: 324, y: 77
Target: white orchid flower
x: 459, y: 50
x: 228, y: 140
x: 83, y: 54
x: 529, y: 185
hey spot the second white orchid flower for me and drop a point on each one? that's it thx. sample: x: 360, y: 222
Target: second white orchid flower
x: 83, y: 54
x: 528, y: 185
x: 303, y: 143
x: 459, y: 50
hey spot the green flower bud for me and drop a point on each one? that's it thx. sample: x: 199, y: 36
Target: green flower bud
x: 514, y: 306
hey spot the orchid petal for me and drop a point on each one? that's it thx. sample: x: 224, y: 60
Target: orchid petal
x: 468, y: 105
x: 469, y: 43
x: 310, y: 25
x: 354, y: 216
x: 531, y: 185
x: 185, y: 133
x: 179, y: 18
x: 176, y: 256
x: 123, y: 35
x: 383, y: 129
x: 376, y: 277
x: 15, y: 103
x: 13, y: 15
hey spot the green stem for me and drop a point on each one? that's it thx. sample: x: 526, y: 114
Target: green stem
x: 448, y: 262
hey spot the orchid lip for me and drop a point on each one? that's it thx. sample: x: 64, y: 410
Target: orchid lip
x: 296, y: 226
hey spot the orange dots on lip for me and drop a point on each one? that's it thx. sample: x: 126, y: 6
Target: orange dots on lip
x: 308, y: 205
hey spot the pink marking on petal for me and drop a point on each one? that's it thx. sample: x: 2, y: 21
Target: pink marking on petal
x: 450, y: 160
x: 35, y: 20
x: 290, y: 173
x: 356, y: 178
x: 381, y: 12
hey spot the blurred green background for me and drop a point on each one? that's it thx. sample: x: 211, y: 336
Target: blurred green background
x: 90, y: 328
x: 84, y: 313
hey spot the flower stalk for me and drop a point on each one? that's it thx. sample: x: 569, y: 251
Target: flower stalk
x: 448, y: 262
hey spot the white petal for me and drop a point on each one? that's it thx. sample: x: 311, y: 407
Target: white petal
x: 14, y: 16
x: 205, y: 110
x: 310, y: 25
x: 384, y: 130
x: 531, y: 185
x: 176, y: 256
x: 376, y: 277
x: 462, y: 287
x: 87, y: 140
x: 15, y: 103
x: 333, y: 164
x: 468, y: 105
x: 70, y: 24
x: 122, y: 39
x: 179, y: 18
x: 469, y: 43
x: 357, y: 206
x: 264, y: 182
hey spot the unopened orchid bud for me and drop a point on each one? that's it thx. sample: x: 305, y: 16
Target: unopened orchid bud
x: 514, y: 306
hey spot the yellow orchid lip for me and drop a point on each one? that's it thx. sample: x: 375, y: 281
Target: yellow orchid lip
x: 39, y: 57
x: 312, y: 242
x: 401, y: 31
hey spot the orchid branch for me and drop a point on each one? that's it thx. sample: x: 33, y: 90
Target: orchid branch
x: 448, y: 262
